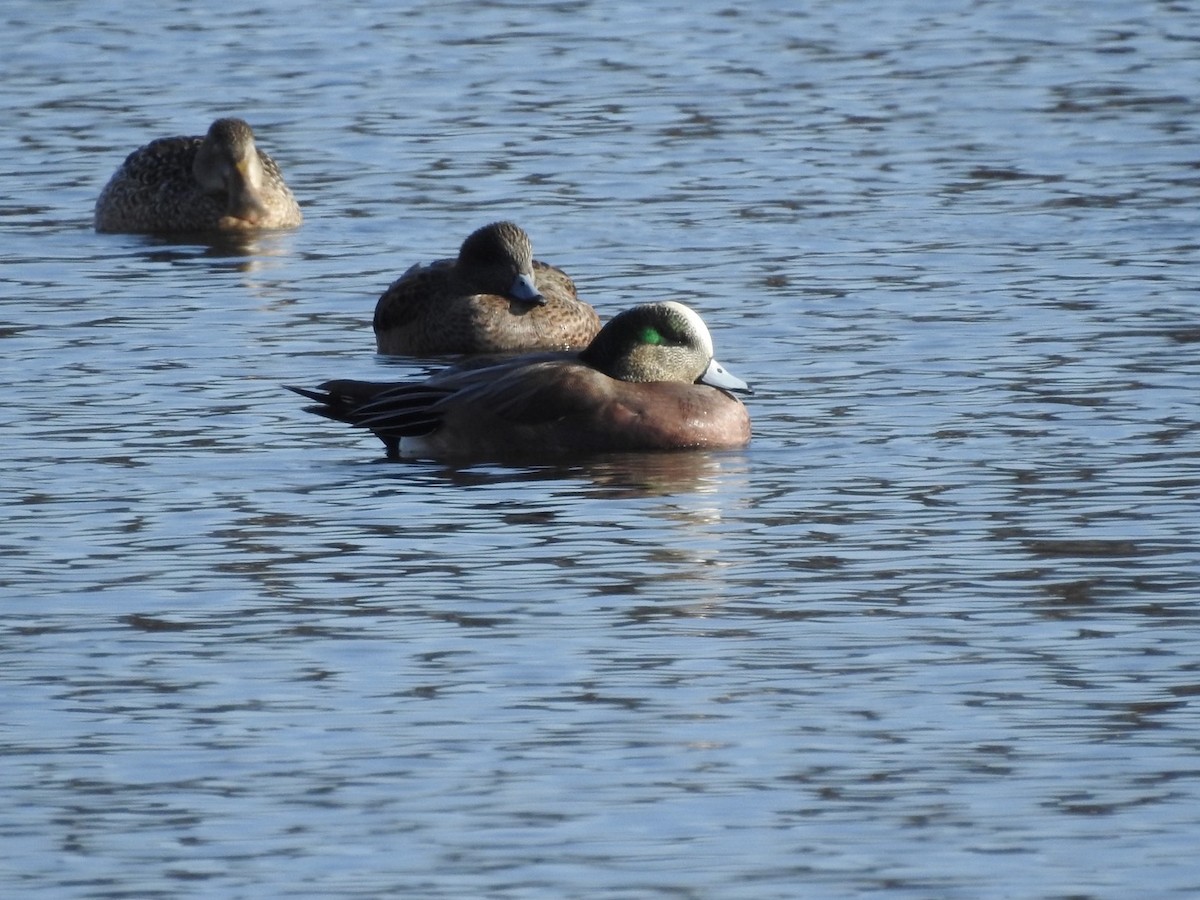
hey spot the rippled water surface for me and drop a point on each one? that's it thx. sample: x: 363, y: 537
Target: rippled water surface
x: 933, y: 634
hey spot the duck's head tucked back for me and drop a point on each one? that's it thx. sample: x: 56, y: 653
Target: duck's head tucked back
x: 494, y: 297
x: 220, y: 182
x: 227, y: 166
x: 498, y: 259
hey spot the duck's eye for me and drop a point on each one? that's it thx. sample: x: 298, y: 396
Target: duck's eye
x: 651, y: 335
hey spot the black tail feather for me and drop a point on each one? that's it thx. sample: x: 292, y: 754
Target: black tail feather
x: 391, y: 410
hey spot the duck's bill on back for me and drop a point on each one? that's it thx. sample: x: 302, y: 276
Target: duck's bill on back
x: 717, y: 376
x: 245, y: 210
x: 245, y: 191
x: 526, y: 291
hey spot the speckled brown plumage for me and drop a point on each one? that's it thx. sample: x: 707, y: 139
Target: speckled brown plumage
x: 217, y: 183
x: 493, y: 298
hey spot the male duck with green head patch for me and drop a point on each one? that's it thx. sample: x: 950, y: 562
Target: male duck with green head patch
x: 648, y: 381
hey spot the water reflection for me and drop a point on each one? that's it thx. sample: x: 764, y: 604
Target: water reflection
x: 613, y: 476
x: 173, y: 248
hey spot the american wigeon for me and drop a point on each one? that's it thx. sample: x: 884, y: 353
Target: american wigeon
x: 494, y: 298
x: 647, y: 381
x: 192, y: 185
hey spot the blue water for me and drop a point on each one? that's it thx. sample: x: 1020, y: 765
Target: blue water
x: 933, y: 634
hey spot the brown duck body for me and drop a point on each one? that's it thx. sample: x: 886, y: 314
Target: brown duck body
x: 493, y: 298
x: 220, y: 182
x: 620, y: 394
